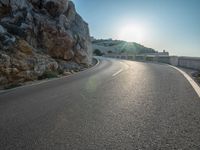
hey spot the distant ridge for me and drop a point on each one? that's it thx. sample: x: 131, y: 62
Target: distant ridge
x: 120, y: 47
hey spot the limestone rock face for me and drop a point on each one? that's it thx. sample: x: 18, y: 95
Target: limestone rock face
x: 35, y: 35
x: 22, y: 63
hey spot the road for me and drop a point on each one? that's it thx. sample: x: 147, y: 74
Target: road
x: 116, y: 105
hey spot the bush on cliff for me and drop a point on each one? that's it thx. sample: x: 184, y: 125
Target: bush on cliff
x: 97, y: 52
x: 198, y: 78
x: 48, y: 74
x: 11, y: 86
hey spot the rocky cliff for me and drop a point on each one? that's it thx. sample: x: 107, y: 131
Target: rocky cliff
x: 38, y: 36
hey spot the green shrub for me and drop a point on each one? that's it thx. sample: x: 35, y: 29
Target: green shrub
x: 11, y: 86
x: 60, y: 71
x: 48, y: 74
x: 97, y: 52
x: 198, y: 79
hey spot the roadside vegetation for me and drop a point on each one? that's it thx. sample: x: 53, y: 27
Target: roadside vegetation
x: 45, y: 75
x: 198, y: 77
x: 97, y: 52
x: 48, y: 75
x: 11, y: 86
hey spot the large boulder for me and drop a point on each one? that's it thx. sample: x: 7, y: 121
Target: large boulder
x: 36, y: 35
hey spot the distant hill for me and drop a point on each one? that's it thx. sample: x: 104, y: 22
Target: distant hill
x: 120, y: 47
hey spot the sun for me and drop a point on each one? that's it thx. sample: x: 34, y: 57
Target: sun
x: 132, y: 33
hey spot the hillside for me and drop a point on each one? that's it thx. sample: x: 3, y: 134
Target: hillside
x: 117, y: 46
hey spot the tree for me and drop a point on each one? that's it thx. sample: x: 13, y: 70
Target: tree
x: 97, y: 52
x: 123, y: 51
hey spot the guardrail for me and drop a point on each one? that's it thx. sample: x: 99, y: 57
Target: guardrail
x: 186, y: 62
x: 189, y: 62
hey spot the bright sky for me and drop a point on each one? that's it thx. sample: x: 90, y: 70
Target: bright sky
x: 173, y: 25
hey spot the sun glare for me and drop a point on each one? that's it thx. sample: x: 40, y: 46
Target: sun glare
x: 132, y: 33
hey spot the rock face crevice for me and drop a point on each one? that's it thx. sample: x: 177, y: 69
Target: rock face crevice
x: 36, y: 35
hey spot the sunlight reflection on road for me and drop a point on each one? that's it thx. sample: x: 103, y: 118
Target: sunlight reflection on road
x: 91, y: 84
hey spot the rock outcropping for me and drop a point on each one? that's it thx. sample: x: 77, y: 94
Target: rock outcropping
x: 38, y: 36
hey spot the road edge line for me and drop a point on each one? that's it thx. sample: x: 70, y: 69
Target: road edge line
x: 190, y: 80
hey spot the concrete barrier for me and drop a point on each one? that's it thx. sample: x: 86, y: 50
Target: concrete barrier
x: 186, y: 62
x: 174, y: 60
x: 189, y: 62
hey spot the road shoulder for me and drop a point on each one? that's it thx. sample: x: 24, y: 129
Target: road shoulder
x: 189, y: 75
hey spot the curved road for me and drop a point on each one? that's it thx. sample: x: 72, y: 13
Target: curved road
x: 116, y: 105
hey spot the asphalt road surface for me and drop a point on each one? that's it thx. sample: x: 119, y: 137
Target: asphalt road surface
x: 116, y: 105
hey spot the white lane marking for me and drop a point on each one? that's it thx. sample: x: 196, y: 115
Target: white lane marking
x: 191, y: 81
x: 118, y: 72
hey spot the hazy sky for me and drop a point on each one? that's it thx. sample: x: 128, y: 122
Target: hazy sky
x: 173, y: 25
